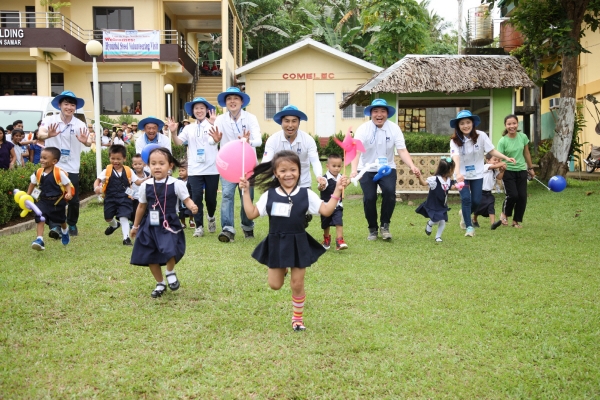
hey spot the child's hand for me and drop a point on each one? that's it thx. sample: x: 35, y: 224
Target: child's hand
x: 194, y: 209
x: 98, y: 190
x: 244, y: 183
x: 342, y: 182
x: 133, y: 232
x: 68, y: 195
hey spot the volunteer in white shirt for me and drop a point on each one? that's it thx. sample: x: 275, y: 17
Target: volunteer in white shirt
x: 151, y: 127
x: 71, y: 136
x: 235, y: 124
x: 202, y: 150
x: 379, y: 137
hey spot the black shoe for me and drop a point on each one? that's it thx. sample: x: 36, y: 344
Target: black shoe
x: 127, y: 242
x: 496, y: 224
x: 307, y: 219
x: 110, y: 229
x: 55, y: 233
x: 175, y: 285
x: 159, y: 290
x: 73, y: 230
x: 226, y: 237
x: 475, y: 224
x: 249, y: 234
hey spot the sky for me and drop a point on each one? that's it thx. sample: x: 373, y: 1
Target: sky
x: 448, y: 9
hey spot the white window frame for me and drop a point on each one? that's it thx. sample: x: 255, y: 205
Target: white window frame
x: 353, y: 107
x: 277, y: 107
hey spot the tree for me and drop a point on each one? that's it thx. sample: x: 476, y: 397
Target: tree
x: 553, y: 28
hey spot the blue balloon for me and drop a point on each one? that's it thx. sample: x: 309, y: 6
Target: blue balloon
x: 147, y: 149
x: 557, y: 183
x: 383, y: 171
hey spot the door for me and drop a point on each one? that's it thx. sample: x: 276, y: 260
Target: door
x: 325, y: 114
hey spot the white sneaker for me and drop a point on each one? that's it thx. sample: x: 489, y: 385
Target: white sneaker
x: 212, y: 224
x: 199, y: 232
x: 462, y: 221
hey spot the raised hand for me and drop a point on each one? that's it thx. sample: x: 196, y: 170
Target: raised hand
x: 245, y: 137
x: 212, y: 115
x: 215, y: 134
x: 82, y: 136
x: 172, y: 125
x: 53, y: 130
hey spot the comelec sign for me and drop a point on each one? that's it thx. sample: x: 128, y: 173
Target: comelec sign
x: 323, y: 75
x: 11, y: 37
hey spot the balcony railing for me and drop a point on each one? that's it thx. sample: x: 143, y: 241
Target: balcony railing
x: 16, y: 20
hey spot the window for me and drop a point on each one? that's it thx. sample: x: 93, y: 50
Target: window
x: 274, y: 102
x: 112, y: 18
x: 57, y: 82
x: 119, y: 97
x: 167, y: 28
x: 552, y: 85
x: 9, y: 19
x: 231, y: 32
x: 353, y: 110
x: 30, y: 16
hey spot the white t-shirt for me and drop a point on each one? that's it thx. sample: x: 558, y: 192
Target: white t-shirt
x: 433, y: 181
x: 314, y: 201
x: 232, y: 129
x: 118, y: 140
x: 198, y: 139
x: 379, y: 144
x: 180, y: 190
x: 304, y: 145
x: 135, y: 188
x: 489, y: 177
x: 472, y: 154
x: 143, y: 141
x: 69, y: 146
x: 64, y: 179
x: 20, y: 152
x: 105, y: 140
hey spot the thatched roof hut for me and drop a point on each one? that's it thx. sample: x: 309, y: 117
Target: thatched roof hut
x: 443, y: 74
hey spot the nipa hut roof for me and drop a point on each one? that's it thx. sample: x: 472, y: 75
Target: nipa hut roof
x: 443, y: 74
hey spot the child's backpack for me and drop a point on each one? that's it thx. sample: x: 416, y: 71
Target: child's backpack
x: 56, y: 173
x: 109, y: 170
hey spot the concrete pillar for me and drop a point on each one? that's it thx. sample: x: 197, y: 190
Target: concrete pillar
x: 43, y: 78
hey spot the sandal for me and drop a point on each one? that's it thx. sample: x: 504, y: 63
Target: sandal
x: 175, y: 285
x: 504, y: 220
x: 517, y: 225
x: 159, y: 290
x: 297, y: 326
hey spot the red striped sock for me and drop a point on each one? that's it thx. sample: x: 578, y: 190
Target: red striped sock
x: 298, y: 308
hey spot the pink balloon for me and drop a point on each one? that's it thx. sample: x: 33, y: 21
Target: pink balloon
x: 229, y: 160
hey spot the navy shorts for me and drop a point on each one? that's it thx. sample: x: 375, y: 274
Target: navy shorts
x: 486, y: 207
x: 334, y: 219
x: 52, y: 213
x: 118, y: 208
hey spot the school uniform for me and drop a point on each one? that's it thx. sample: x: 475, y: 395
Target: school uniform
x: 488, y: 201
x: 335, y: 219
x: 48, y: 201
x: 436, y: 205
x: 288, y: 244
x: 183, y: 210
x: 117, y: 202
x: 135, y: 195
x: 157, y: 244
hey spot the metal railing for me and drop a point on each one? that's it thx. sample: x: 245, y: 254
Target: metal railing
x: 43, y: 20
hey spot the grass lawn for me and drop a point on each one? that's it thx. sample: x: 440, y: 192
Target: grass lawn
x: 509, y: 313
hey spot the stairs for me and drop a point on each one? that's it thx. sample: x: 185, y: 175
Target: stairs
x: 209, y: 87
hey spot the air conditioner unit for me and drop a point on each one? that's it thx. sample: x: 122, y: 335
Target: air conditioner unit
x: 554, y: 103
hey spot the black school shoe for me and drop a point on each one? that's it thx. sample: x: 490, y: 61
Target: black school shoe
x: 55, y: 233
x: 249, y: 234
x: 175, y: 285
x: 307, y: 219
x: 110, y: 229
x: 159, y: 290
x: 127, y: 242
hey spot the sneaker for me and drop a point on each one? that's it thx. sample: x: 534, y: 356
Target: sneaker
x: 192, y: 223
x: 65, y: 239
x: 385, y: 232
x: 199, y: 232
x: 372, y: 235
x: 55, y: 233
x: 249, y: 234
x: 110, y: 229
x: 38, y: 244
x: 340, y: 244
x: 462, y: 221
x: 159, y: 290
x: 326, y: 243
x: 438, y: 240
x: 127, y: 242
x: 475, y: 224
x: 226, y: 237
x: 212, y: 224
x: 470, y: 231
x: 73, y: 230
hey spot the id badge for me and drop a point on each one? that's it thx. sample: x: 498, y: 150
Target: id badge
x: 65, y: 155
x: 281, y: 209
x: 129, y: 192
x: 469, y: 171
x: 200, y: 156
x: 154, y: 218
x: 382, y: 161
x: 36, y: 193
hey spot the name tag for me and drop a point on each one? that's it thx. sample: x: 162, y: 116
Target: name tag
x: 382, y: 161
x: 65, y: 155
x: 36, y: 193
x: 469, y: 171
x: 129, y: 192
x: 154, y: 218
x: 281, y: 209
x: 200, y: 156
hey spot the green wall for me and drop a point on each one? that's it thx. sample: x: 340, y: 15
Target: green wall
x: 502, y: 106
x: 548, y: 126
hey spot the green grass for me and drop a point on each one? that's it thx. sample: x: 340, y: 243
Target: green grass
x: 506, y: 314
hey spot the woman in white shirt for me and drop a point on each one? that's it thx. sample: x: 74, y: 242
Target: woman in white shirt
x: 118, y: 139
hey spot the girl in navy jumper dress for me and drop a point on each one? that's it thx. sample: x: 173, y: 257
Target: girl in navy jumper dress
x: 436, y: 206
x: 160, y: 238
x: 287, y: 245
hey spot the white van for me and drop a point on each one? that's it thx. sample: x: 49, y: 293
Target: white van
x: 29, y: 109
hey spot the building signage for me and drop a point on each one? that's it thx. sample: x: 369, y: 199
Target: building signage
x: 301, y: 76
x: 11, y: 37
x: 122, y: 44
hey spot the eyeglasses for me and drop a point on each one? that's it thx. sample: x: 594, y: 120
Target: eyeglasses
x: 447, y: 159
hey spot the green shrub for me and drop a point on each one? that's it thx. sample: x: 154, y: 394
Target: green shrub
x: 423, y: 142
x: 332, y: 146
x: 260, y: 150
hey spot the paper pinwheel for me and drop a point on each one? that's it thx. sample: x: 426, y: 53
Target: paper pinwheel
x: 350, y: 146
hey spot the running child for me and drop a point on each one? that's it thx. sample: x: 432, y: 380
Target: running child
x: 140, y: 176
x: 334, y: 166
x: 183, y: 211
x: 287, y: 244
x: 436, y: 206
x: 51, y: 187
x: 492, y: 170
x: 114, y: 183
x: 160, y: 238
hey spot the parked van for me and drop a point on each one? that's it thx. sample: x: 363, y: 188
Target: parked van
x: 29, y: 109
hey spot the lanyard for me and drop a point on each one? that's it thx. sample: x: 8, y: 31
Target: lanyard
x: 201, y: 133
x: 289, y: 195
x: 69, y: 141
x: 155, y: 140
x: 235, y: 122
x: 373, y: 140
x: 163, y: 207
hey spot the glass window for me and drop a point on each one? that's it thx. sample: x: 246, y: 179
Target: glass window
x: 353, y: 110
x: 112, y: 18
x: 274, y: 102
x: 9, y: 19
x: 552, y: 85
x: 119, y: 97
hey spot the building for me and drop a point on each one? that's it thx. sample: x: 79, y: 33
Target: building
x: 312, y: 76
x: 44, y: 51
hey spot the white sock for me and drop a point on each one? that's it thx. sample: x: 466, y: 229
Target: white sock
x: 440, y: 230
x: 163, y: 282
x: 41, y: 238
x: 430, y: 224
x: 113, y: 223
x: 171, y: 277
x: 64, y: 231
x: 124, y: 227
